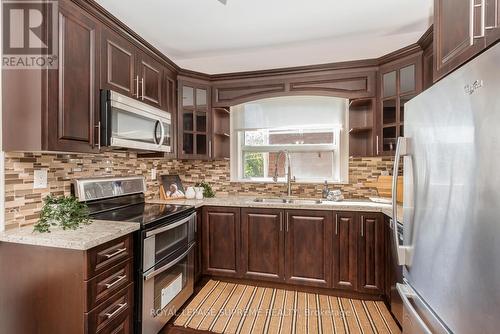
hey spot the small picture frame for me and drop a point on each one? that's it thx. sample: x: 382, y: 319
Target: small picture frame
x: 171, y: 187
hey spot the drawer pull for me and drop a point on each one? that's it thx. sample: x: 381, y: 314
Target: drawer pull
x: 119, y: 279
x: 118, y: 310
x: 118, y: 251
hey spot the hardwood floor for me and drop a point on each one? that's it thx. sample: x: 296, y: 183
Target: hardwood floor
x: 228, y: 307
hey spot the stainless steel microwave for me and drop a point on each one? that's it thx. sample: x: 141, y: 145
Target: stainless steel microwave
x: 128, y: 123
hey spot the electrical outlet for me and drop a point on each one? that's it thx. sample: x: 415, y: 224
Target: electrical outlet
x: 40, y: 179
x: 153, y: 174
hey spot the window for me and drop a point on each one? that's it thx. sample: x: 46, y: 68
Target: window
x: 306, y: 132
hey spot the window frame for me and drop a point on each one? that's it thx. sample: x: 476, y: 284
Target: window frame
x: 340, y: 149
x: 334, y: 148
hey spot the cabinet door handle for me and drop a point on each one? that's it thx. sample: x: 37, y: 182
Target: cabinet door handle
x: 473, y: 7
x: 362, y: 226
x: 336, y: 224
x: 118, y: 310
x: 142, y: 89
x: 136, y: 86
x: 118, y: 251
x: 377, y: 146
x: 98, y: 127
x: 281, y: 222
x: 287, y: 221
x: 210, y: 148
x: 118, y: 280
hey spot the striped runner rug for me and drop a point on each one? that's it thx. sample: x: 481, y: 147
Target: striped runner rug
x: 228, y: 308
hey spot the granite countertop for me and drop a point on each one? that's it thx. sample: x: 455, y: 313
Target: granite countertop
x: 248, y: 202
x: 89, y: 236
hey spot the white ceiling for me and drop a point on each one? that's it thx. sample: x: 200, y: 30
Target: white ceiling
x: 206, y: 36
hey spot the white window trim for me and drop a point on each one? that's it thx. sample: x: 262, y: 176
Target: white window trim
x: 236, y: 158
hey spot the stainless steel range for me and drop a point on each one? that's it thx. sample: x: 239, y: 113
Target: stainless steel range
x: 164, y: 257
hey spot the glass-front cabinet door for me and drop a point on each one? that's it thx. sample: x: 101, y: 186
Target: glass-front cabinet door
x: 195, y: 119
x: 400, y: 81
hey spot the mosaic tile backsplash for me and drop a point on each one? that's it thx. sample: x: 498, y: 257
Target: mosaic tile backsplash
x: 23, y: 203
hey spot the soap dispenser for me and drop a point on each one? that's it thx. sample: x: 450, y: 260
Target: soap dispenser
x: 325, y: 191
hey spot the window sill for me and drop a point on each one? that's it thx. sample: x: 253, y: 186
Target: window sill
x: 332, y: 182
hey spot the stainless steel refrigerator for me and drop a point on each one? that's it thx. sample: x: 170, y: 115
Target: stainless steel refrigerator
x: 451, y: 248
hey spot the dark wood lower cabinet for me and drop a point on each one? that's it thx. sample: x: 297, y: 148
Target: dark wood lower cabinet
x: 345, y: 251
x: 308, y: 247
x: 48, y: 290
x: 262, y: 244
x: 221, y: 241
x: 371, y: 257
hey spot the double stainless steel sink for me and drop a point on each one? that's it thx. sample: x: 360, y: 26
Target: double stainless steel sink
x: 286, y: 200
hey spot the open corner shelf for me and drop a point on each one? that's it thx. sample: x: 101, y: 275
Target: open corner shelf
x: 361, y: 126
x: 221, y: 137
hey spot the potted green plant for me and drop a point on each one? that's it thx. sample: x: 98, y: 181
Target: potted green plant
x: 208, y: 192
x: 64, y: 211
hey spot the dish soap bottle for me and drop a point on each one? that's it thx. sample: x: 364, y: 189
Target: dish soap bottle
x: 325, y: 191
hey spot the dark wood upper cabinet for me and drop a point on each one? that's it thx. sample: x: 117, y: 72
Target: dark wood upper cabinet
x: 118, y: 64
x: 371, y: 253
x: 74, y: 87
x: 345, y: 251
x: 308, y: 247
x: 194, y: 120
x: 399, y: 82
x: 427, y: 68
x: 492, y: 21
x: 150, y: 74
x: 262, y: 244
x: 460, y: 32
x: 337, y: 83
x: 129, y: 70
x: 221, y: 241
x: 454, y: 41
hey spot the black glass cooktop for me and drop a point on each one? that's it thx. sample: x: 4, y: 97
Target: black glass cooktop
x: 143, y: 213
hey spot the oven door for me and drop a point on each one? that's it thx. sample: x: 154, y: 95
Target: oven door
x: 164, y: 240
x: 166, y: 288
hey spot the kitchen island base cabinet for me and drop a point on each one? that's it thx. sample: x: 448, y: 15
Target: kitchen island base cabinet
x: 221, y: 241
x: 48, y: 290
x: 262, y: 244
x: 308, y: 247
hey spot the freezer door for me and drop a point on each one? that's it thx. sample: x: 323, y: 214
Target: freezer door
x: 452, y: 196
x: 418, y: 318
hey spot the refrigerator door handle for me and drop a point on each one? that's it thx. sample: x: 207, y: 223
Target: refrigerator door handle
x: 416, y: 310
x: 406, y: 294
x: 401, y: 150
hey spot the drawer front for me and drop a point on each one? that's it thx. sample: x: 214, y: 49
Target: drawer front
x: 107, y: 255
x: 123, y: 324
x: 108, y: 283
x: 110, y: 316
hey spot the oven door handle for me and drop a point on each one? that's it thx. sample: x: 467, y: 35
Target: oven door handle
x: 169, y: 227
x: 152, y: 273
